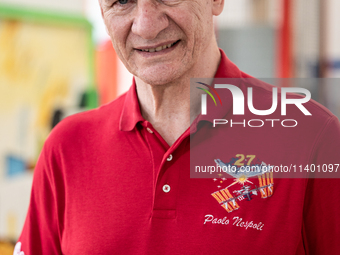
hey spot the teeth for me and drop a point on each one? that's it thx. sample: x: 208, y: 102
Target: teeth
x: 159, y: 48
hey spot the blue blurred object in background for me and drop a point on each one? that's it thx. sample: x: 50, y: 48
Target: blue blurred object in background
x: 14, y: 166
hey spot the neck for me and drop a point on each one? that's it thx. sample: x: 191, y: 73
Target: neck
x: 169, y: 107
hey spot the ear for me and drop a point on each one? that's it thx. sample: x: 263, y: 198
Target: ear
x: 217, y: 7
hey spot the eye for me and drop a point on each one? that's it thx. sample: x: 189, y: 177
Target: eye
x: 119, y: 6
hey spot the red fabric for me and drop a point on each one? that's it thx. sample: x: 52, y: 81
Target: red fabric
x: 98, y: 189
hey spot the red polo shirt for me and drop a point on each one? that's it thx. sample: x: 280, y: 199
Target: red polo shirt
x: 107, y: 183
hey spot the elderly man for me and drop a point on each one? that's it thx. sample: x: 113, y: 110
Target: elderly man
x: 116, y: 180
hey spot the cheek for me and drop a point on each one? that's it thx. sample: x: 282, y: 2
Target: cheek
x: 118, y: 29
x: 197, y: 23
x: 118, y: 32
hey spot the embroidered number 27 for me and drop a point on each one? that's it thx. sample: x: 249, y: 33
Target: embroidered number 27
x: 241, y: 161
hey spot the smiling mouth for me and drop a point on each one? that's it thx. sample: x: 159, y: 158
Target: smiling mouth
x: 159, y: 48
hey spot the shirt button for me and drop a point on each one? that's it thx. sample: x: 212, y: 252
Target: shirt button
x: 169, y: 158
x: 166, y: 188
x: 149, y: 130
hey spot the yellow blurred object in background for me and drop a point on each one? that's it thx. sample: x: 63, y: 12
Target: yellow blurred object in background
x: 6, y: 248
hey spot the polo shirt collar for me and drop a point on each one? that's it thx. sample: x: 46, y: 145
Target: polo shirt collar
x: 131, y: 113
x: 226, y: 68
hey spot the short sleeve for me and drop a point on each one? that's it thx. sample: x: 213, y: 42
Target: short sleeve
x: 327, y: 147
x: 40, y: 234
x: 321, y: 228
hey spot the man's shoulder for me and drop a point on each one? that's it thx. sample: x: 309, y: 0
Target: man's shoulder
x: 89, y: 123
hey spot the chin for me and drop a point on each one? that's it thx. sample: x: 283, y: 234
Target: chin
x: 163, y: 76
x: 156, y: 81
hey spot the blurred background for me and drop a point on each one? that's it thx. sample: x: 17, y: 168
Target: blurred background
x: 56, y: 60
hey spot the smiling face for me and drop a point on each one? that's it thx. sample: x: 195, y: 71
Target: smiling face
x: 160, y: 41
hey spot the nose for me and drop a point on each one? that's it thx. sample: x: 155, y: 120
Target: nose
x: 150, y: 19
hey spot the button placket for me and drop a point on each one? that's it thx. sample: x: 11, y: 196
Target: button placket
x: 166, y: 188
x: 149, y: 130
x: 167, y: 191
x: 169, y: 158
